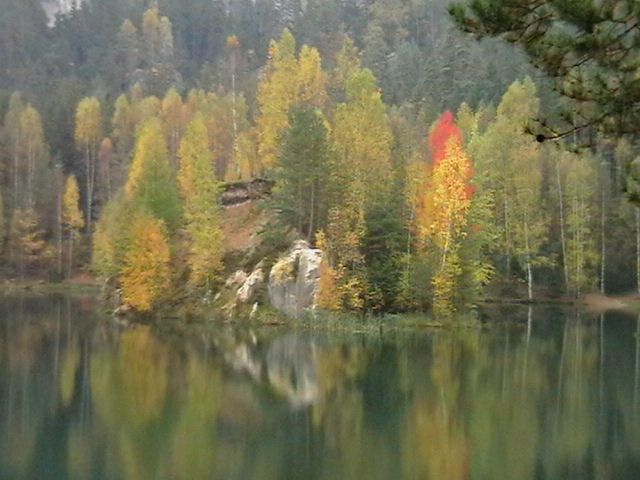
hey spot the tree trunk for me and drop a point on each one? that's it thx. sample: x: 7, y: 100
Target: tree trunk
x: 87, y: 160
x: 16, y: 190
x: 638, y: 249
x: 576, y: 242
x: 563, y: 240
x: 59, y: 229
x: 313, y: 207
x: 603, y: 219
x: 580, y: 245
x: 30, y: 162
x: 70, y: 259
x: 528, y: 261
x: 300, y: 207
x: 506, y: 232
x: 636, y: 376
x: 109, y: 182
x: 234, y: 110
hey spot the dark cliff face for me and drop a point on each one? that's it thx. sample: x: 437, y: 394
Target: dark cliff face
x: 241, y: 192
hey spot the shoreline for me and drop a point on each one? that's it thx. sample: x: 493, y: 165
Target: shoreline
x: 591, y: 302
x: 45, y: 287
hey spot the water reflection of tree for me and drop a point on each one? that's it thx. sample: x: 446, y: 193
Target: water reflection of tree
x: 541, y: 401
x: 33, y: 342
x: 509, y: 405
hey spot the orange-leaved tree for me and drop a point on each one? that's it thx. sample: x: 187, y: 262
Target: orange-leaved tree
x: 146, y: 275
x: 447, y: 207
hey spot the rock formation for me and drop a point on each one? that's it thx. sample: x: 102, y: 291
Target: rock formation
x: 293, y: 281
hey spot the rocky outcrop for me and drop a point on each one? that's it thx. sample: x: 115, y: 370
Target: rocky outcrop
x: 236, y: 279
x: 293, y: 281
x: 238, y: 193
x: 251, y: 285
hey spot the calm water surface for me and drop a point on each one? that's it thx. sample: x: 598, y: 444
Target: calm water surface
x: 80, y: 398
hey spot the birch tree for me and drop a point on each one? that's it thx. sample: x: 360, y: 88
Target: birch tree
x: 88, y: 133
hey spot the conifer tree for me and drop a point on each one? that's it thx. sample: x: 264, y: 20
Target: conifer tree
x: 112, y: 236
x: 26, y: 240
x: 151, y: 183
x: 146, y: 274
x: 303, y: 171
x: 200, y: 191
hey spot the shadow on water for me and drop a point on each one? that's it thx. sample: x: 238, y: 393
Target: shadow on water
x: 541, y: 395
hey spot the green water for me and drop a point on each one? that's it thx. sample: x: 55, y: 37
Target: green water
x: 556, y: 397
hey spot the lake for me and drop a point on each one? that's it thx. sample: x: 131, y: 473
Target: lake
x: 553, y: 395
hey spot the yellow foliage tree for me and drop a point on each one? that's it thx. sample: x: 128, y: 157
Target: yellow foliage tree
x: 174, y: 118
x: 71, y: 216
x: 362, y: 136
x: 451, y: 201
x: 88, y: 133
x: 276, y: 93
x: 151, y: 181
x: 362, y: 172
x: 199, y: 191
x: 328, y: 294
x: 26, y: 239
x: 146, y: 275
x: 311, y: 78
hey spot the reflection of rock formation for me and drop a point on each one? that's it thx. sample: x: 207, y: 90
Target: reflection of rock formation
x: 292, y: 368
x: 242, y: 359
x: 296, y: 368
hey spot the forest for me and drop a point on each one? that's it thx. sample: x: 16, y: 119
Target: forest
x: 398, y: 144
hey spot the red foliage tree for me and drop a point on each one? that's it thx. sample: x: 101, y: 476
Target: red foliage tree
x: 444, y: 130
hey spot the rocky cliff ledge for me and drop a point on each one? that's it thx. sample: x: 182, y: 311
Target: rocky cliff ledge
x: 293, y: 281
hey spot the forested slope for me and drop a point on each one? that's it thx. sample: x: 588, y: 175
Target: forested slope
x: 124, y: 118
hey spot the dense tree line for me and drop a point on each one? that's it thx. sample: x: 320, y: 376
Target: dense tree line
x: 414, y: 206
x: 104, y: 48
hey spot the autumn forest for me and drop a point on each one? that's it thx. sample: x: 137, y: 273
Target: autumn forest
x: 398, y: 145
